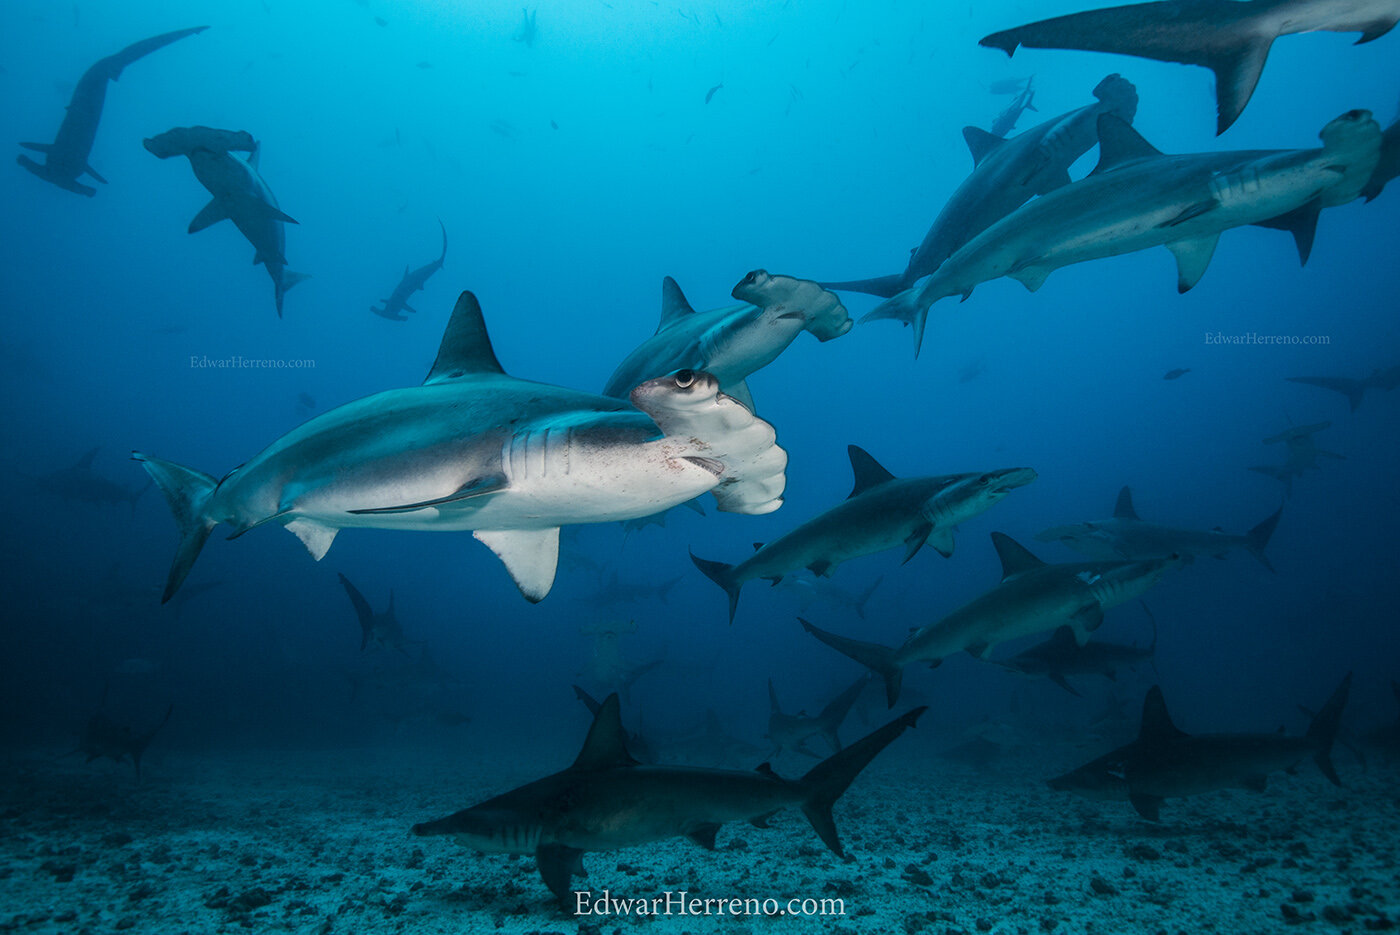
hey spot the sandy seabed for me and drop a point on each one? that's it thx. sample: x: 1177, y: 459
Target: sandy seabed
x: 318, y: 842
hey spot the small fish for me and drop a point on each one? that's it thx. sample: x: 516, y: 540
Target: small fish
x: 711, y: 93
x: 504, y: 128
x: 1177, y: 373
x: 425, y: 65
x: 553, y: 125
x: 380, y: 21
x: 306, y: 401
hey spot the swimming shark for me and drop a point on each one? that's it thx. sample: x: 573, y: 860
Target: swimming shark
x: 792, y: 731
x: 1138, y: 198
x: 1230, y: 37
x: 1031, y: 598
x: 1303, y: 452
x: 811, y: 588
x: 384, y: 628
x: 239, y: 194
x: 616, y: 591
x: 881, y: 512
x: 1061, y: 656
x: 82, y: 484
x: 1166, y: 763
x: 1128, y: 536
x: 412, y: 281
x: 66, y: 158
x: 1382, y: 378
x: 1006, y: 120
x: 527, y: 31
x: 1005, y: 175
x: 104, y: 737
x: 630, y: 526
x: 475, y: 449
x: 734, y: 341
x: 606, y: 801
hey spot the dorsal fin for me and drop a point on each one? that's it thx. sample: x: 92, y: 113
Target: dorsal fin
x: 674, y: 307
x: 980, y: 143
x: 1120, y: 143
x: 773, y: 706
x: 1156, y: 722
x: 1123, y: 509
x: 1015, y: 558
x: 1064, y: 637
x: 85, y: 462
x: 765, y: 768
x: 466, y: 347
x: 606, y: 744
x: 253, y: 155
x: 867, y: 471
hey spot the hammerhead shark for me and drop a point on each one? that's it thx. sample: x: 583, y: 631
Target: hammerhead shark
x: 412, y: 281
x: 607, y: 800
x: 475, y: 449
x: 1230, y: 37
x: 66, y: 158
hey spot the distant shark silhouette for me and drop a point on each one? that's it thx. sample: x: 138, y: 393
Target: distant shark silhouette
x: 66, y: 158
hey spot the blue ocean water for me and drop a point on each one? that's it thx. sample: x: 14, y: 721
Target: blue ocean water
x: 572, y: 173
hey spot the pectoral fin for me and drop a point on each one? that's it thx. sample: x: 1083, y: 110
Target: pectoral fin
x: 942, y: 541
x: 916, y: 541
x: 317, y: 537
x: 212, y: 213
x: 530, y: 555
x: 704, y: 835
x: 1085, y: 621
x: 558, y: 866
x: 1148, y: 806
x: 1192, y: 258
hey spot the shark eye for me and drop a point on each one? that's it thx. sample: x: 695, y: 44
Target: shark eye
x: 685, y: 378
x: 984, y: 480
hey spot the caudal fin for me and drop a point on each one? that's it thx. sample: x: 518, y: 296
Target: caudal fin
x: 883, y: 286
x: 188, y: 492
x: 865, y: 596
x: 1257, y: 538
x: 878, y: 659
x: 286, y: 281
x: 826, y: 781
x: 909, y: 307
x: 722, y: 575
x: 1323, y: 731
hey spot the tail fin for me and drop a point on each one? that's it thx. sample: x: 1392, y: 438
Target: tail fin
x: 1257, y: 538
x: 722, y: 575
x: 826, y: 781
x: 836, y: 710
x: 363, y: 611
x: 1353, y: 390
x: 908, y: 307
x: 864, y: 597
x: 188, y: 492
x: 139, y: 745
x: 883, y: 286
x: 878, y: 659
x: 285, y: 282
x: 1323, y: 731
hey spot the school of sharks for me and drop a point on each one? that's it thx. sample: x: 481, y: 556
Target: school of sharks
x: 520, y: 463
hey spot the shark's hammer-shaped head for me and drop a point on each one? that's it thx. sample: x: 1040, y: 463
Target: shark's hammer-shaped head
x: 705, y: 428
x: 1126, y: 581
